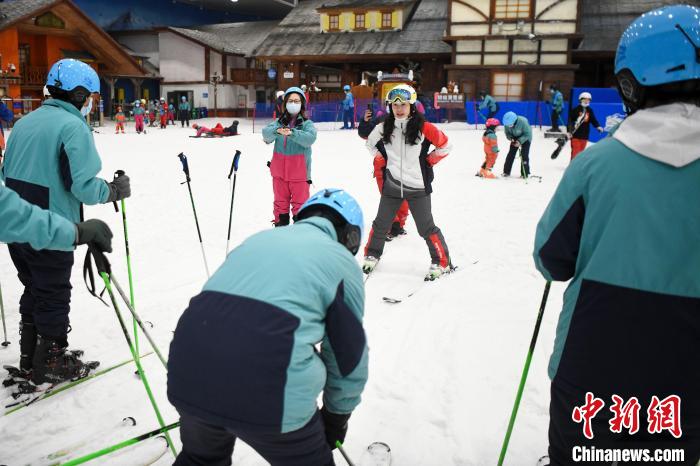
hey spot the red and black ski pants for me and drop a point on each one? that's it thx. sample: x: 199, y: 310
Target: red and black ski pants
x: 420, y: 206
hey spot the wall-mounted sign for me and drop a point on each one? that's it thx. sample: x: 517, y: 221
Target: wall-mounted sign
x: 272, y: 73
x: 288, y: 74
x: 205, y: 95
x: 449, y: 100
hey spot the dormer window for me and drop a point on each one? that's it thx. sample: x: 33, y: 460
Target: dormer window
x: 512, y: 9
x: 334, y: 22
x: 360, y: 21
x: 386, y: 19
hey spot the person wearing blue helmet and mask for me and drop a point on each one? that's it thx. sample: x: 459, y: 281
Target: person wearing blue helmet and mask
x: 278, y: 324
x: 623, y: 227
x: 519, y: 133
x: 52, y: 162
x: 348, y: 104
x: 293, y: 135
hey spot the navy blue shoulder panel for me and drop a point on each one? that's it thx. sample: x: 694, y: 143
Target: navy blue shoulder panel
x: 30, y: 192
x: 64, y: 165
x: 345, y: 333
x: 229, y: 359
x: 560, y: 252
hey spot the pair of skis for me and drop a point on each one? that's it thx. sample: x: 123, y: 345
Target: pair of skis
x: 561, y: 138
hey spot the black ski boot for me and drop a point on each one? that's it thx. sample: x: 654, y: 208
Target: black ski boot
x: 53, y: 363
x: 283, y: 221
x: 395, y: 231
x: 27, y: 345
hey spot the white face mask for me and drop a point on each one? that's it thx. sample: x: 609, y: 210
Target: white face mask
x: 585, y: 104
x: 293, y: 108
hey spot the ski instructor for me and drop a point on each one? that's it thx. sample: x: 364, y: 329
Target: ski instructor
x: 244, y: 361
x: 623, y: 226
x: 52, y: 162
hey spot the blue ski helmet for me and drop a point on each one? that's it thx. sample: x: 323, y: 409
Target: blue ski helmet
x: 346, y: 88
x: 660, y: 47
x: 348, y: 208
x: 509, y: 118
x: 296, y: 90
x: 68, y: 74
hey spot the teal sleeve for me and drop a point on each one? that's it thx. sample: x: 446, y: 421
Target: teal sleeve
x: 527, y: 133
x: 270, y: 132
x: 558, y: 232
x: 306, y: 135
x: 22, y: 222
x: 84, y: 164
x: 341, y: 395
x: 483, y: 104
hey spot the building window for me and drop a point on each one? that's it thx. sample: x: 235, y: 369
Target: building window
x: 360, y: 21
x: 508, y: 87
x: 512, y: 9
x: 386, y: 19
x: 333, y: 22
x: 50, y: 20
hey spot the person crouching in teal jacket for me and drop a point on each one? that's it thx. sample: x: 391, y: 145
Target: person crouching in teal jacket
x: 244, y: 361
x: 293, y: 135
x: 52, y: 162
x: 623, y: 227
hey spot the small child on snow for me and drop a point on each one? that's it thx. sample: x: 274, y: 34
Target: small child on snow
x: 121, y: 118
x: 163, y: 113
x: 490, y: 148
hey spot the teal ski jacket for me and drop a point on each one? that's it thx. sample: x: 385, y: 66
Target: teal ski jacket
x: 520, y: 131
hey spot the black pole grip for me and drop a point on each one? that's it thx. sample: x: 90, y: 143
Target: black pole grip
x: 234, y: 164
x: 101, y: 261
x: 117, y: 174
x: 185, y: 166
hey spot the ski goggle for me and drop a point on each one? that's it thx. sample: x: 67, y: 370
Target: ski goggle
x: 401, y: 96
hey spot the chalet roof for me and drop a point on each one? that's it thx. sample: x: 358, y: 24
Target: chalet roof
x: 246, y: 36
x: 347, y: 4
x: 210, y: 39
x: 298, y: 34
x: 604, y: 21
x: 13, y: 10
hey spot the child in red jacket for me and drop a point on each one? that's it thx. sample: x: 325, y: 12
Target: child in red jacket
x: 121, y: 118
x: 490, y: 148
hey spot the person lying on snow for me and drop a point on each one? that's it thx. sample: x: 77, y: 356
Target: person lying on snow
x: 217, y: 131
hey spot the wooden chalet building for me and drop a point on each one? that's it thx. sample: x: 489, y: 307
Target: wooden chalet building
x: 34, y: 34
x: 513, y: 49
x: 338, y: 42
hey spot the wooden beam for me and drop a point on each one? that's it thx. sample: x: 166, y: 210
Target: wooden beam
x: 471, y: 7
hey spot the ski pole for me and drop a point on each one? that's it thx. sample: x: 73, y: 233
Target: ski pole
x: 186, y: 169
x: 523, y: 378
x: 124, y: 444
x: 139, y: 322
x: 342, y: 452
x: 105, y: 271
x: 117, y: 174
x: 234, y: 171
x: 5, y: 343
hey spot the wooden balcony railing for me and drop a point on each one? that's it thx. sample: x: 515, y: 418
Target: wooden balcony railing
x: 250, y: 75
x: 34, y: 75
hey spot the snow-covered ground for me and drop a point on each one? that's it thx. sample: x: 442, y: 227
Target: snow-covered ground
x: 444, y: 364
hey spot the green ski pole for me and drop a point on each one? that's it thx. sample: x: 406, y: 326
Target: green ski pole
x: 124, y: 444
x: 340, y: 448
x: 117, y: 174
x: 523, y: 378
x: 104, y: 270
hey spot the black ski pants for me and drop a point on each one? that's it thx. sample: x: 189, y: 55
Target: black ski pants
x: 524, y: 153
x: 555, y: 120
x: 565, y: 434
x: 420, y: 207
x: 184, y: 118
x: 205, y: 444
x: 47, y: 289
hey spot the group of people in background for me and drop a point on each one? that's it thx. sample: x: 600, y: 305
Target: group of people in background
x: 152, y: 113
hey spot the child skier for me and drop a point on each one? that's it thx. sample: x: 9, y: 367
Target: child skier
x: 490, y: 148
x: 171, y: 113
x: 121, y: 118
x: 163, y: 113
x: 51, y: 160
x: 408, y: 176
x: 623, y: 227
x: 580, y: 120
x: 283, y: 316
x: 293, y: 135
x: 139, y: 115
x: 184, y: 111
x: 519, y: 134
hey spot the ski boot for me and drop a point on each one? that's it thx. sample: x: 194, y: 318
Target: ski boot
x: 396, y: 230
x: 53, y: 363
x: 283, y: 221
x: 486, y: 173
x: 436, y: 271
x: 369, y: 264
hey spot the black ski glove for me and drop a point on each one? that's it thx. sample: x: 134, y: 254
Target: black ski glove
x: 335, y: 425
x: 94, y: 232
x: 119, y: 189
